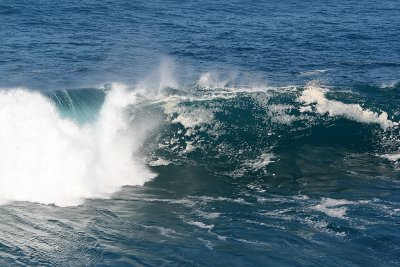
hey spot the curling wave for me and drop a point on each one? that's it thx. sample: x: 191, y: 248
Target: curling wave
x: 65, y: 146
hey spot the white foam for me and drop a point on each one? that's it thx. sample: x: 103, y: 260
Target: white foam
x: 332, y: 212
x: 208, y: 215
x: 306, y: 109
x: 322, y: 226
x: 391, y: 157
x: 333, y: 207
x: 189, y: 117
x: 389, y: 85
x: 314, y: 95
x: 233, y: 200
x: 256, y: 187
x: 201, y: 225
x: 207, y: 243
x: 258, y: 164
x: 163, y: 231
x: 159, y: 162
x: 313, y: 72
x: 263, y: 161
x: 48, y: 159
x: 193, y: 119
x: 279, y: 114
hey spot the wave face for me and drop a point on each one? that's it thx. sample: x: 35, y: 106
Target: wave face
x: 64, y: 146
x: 239, y: 130
x: 213, y: 164
x: 52, y: 159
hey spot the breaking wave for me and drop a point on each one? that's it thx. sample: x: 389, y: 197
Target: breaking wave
x: 52, y: 159
x: 64, y: 146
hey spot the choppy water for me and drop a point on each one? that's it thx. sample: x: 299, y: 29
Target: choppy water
x: 199, y: 133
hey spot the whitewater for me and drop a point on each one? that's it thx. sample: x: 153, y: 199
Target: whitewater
x: 53, y: 159
x: 225, y: 133
x: 49, y: 159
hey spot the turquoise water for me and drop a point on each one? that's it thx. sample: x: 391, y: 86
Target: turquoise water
x: 199, y: 134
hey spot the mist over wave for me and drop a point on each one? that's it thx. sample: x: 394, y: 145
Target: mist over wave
x: 50, y: 159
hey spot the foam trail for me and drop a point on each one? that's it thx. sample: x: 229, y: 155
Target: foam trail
x: 314, y: 96
x: 49, y: 159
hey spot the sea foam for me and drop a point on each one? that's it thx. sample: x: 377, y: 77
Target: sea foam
x: 50, y: 159
x: 313, y: 96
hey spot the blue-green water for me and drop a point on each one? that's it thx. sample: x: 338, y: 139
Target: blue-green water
x: 199, y: 133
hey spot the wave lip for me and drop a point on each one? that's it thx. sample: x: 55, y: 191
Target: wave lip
x: 52, y: 160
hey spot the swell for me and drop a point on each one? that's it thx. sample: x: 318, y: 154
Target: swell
x: 64, y: 146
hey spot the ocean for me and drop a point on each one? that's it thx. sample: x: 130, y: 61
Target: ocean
x: 199, y: 133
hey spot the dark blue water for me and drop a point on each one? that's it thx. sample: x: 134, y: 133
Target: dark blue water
x: 75, y: 43
x: 214, y: 133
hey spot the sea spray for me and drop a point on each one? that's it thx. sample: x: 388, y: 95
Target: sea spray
x: 50, y: 159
